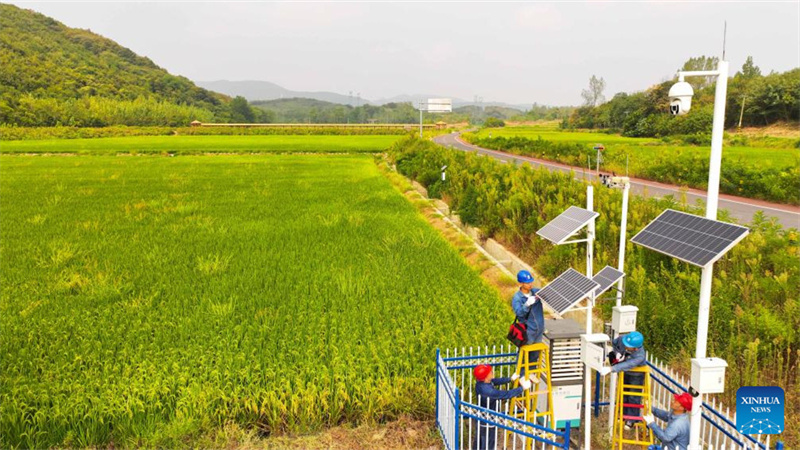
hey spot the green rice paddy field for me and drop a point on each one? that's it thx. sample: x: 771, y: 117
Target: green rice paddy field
x: 205, y: 144
x: 778, y: 152
x: 147, y: 300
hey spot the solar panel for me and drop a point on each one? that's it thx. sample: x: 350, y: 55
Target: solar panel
x: 566, y: 224
x: 606, y: 278
x: 693, y: 239
x: 566, y: 290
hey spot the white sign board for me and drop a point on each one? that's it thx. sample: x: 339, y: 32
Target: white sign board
x: 438, y: 105
x: 593, y: 351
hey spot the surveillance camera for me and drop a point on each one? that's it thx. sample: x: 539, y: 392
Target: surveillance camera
x: 444, y: 168
x: 680, y: 98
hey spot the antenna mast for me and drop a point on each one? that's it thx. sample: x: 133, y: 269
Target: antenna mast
x: 724, y: 38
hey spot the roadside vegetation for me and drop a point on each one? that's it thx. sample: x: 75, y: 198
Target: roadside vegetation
x: 761, y: 167
x: 755, y: 313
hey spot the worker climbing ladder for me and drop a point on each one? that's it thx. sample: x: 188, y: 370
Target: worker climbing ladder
x: 642, y: 435
x: 534, y: 362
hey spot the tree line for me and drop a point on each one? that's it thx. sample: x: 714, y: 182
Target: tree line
x: 753, y: 99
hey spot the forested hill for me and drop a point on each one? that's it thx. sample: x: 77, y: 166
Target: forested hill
x: 51, y: 74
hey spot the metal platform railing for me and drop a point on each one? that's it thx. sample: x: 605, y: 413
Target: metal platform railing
x: 465, y: 420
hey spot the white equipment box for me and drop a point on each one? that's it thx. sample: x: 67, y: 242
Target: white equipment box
x: 593, y: 350
x: 708, y: 375
x: 623, y: 319
x: 562, y: 336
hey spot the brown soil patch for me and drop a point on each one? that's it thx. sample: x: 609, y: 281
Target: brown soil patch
x: 780, y: 129
x: 405, y: 433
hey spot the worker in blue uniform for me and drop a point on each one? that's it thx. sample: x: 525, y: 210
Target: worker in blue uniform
x: 675, y: 436
x: 489, y: 397
x: 528, y: 309
x: 628, y: 353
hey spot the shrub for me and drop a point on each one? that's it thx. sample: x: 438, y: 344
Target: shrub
x: 494, y: 122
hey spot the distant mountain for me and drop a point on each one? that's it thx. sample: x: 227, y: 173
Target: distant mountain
x: 254, y: 90
x: 264, y: 90
x: 501, y: 112
x: 307, y: 110
x: 457, y: 102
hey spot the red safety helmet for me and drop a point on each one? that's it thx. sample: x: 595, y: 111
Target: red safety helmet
x: 685, y: 400
x: 481, y: 371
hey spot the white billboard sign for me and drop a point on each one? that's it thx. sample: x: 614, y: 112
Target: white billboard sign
x: 439, y: 105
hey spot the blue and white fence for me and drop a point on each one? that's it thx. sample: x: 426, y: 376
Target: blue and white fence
x: 464, y: 418
x: 718, y: 427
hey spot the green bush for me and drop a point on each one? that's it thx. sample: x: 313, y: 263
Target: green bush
x: 756, y: 285
x: 494, y: 122
x: 683, y: 169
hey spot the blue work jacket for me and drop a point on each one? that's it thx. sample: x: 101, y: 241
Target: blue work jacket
x: 630, y: 360
x: 489, y: 395
x: 532, y: 316
x: 676, y: 435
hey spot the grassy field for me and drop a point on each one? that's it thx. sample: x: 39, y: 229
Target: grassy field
x: 204, y: 144
x: 146, y: 301
x: 643, y: 150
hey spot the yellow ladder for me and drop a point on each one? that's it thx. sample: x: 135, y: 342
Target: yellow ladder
x: 642, y: 435
x: 525, y: 407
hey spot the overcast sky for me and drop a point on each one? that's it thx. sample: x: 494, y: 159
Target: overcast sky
x: 510, y: 52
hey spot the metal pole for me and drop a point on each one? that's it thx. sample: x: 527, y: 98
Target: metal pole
x: 621, y: 267
x: 587, y: 372
x: 436, y: 414
x: 712, y: 202
x: 716, y: 141
x: 420, y: 120
x: 598, y: 162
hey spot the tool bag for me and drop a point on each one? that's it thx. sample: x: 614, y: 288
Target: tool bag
x: 517, y: 333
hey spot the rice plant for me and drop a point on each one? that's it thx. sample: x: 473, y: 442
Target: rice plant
x: 161, y: 298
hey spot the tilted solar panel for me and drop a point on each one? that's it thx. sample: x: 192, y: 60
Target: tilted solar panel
x: 566, y: 224
x: 690, y: 238
x: 606, y: 278
x: 566, y: 290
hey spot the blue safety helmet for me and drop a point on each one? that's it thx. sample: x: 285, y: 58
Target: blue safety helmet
x: 524, y: 277
x: 634, y: 339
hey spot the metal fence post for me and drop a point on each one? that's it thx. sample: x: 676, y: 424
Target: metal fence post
x: 597, y: 394
x: 457, y: 433
x: 779, y: 445
x: 566, y: 435
x: 437, y: 387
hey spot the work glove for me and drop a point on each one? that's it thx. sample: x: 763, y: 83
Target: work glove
x: 648, y: 419
x: 525, y: 383
x: 514, y: 377
x: 534, y: 379
x: 604, y: 370
x: 531, y: 300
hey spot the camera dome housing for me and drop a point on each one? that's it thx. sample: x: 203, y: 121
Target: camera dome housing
x: 680, y: 98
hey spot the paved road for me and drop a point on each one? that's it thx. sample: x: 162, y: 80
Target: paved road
x: 740, y: 208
